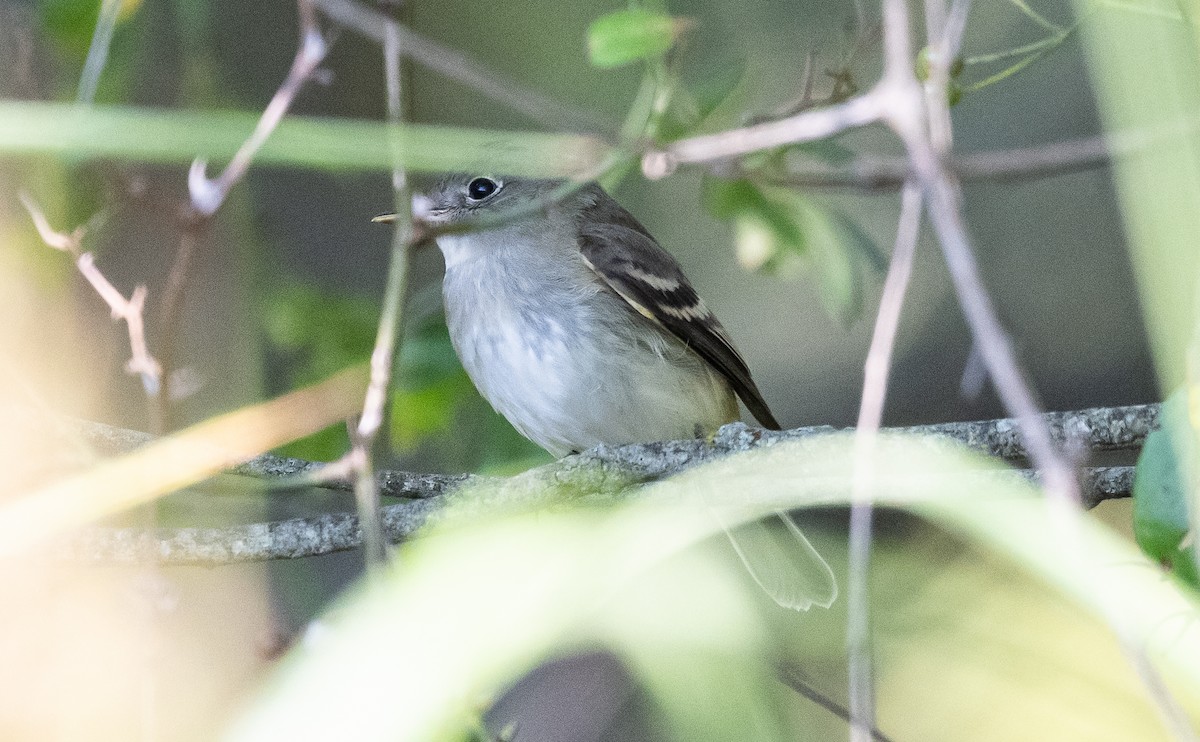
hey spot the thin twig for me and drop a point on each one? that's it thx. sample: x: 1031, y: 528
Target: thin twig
x: 97, y: 56
x: 170, y: 313
x: 141, y: 363
x: 608, y: 471
x: 792, y: 678
x: 806, y: 126
x: 1034, y: 16
x: 387, y: 338
x: 208, y: 194
x: 611, y: 474
x: 870, y: 417
x: 1019, y: 163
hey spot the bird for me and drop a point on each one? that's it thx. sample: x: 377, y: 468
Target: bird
x: 580, y: 329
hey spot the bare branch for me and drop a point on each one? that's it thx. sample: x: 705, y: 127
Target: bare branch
x: 208, y: 195
x: 1093, y: 429
x: 140, y: 363
x: 388, y: 335
x: 605, y: 472
x: 806, y: 126
x: 97, y: 56
x: 1019, y: 163
x: 870, y: 417
x: 604, y: 479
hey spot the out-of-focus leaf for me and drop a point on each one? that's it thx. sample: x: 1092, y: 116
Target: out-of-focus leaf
x: 177, y: 136
x: 1162, y: 487
x: 716, y: 88
x: 742, y: 199
x: 717, y: 659
x: 630, y: 35
x: 318, y: 331
x: 782, y: 232
x: 419, y: 411
x: 72, y: 22
x: 693, y: 103
x: 477, y: 604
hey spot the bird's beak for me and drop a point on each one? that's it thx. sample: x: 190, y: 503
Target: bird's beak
x: 422, y: 210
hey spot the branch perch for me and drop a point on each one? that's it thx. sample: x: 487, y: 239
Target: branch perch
x: 606, y: 472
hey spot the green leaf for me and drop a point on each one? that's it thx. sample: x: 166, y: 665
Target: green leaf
x: 782, y: 232
x: 420, y: 411
x: 743, y: 199
x: 416, y: 653
x: 628, y: 36
x: 1162, y: 489
x: 173, y: 136
x: 710, y: 100
x: 71, y: 23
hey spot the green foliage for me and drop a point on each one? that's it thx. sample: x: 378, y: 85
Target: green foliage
x: 179, y: 136
x: 420, y: 410
x: 628, y: 36
x: 783, y: 232
x: 320, y: 333
x: 71, y: 22
x: 701, y: 639
x: 1163, y: 487
x: 701, y: 101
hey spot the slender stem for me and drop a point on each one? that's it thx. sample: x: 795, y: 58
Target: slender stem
x: 803, y: 127
x: 391, y: 322
x: 792, y: 679
x: 169, y: 319
x: 1021, y: 51
x: 97, y: 56
x: 870, y: 417
x: 1034, y: 16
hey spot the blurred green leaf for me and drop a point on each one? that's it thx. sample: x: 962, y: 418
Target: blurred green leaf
x: 159, y: 135
x: 425, y: 409
x: 322, y: 332
x: 319, y: 332
x: 695, y: 102
x: 781, y: 231
x: 1162, y: 488
x: 741, y: 198
x: 627, y: 36
x: 478, y: 603
x: 71, y: 23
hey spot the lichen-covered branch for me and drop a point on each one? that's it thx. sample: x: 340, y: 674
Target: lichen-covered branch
x: 605, y: 472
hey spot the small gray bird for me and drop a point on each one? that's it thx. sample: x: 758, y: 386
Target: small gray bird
x: 580, y: 329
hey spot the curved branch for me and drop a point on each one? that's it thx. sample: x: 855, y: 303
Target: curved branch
x: 604, y: 473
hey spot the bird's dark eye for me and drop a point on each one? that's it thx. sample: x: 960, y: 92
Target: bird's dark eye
x: 480, y: 188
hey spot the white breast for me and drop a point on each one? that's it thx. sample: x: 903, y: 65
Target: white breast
x: 561, y: 357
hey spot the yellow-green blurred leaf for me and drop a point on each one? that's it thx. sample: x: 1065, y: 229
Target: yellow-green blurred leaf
x: 627, y: 36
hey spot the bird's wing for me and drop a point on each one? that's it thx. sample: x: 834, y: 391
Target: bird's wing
x: 632, y: 264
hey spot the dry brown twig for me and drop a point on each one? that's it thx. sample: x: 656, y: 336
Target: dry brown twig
x: 130, y: 311
x: 207, y: 195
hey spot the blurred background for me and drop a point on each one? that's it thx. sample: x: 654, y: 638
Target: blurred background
x: 287, y: 281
